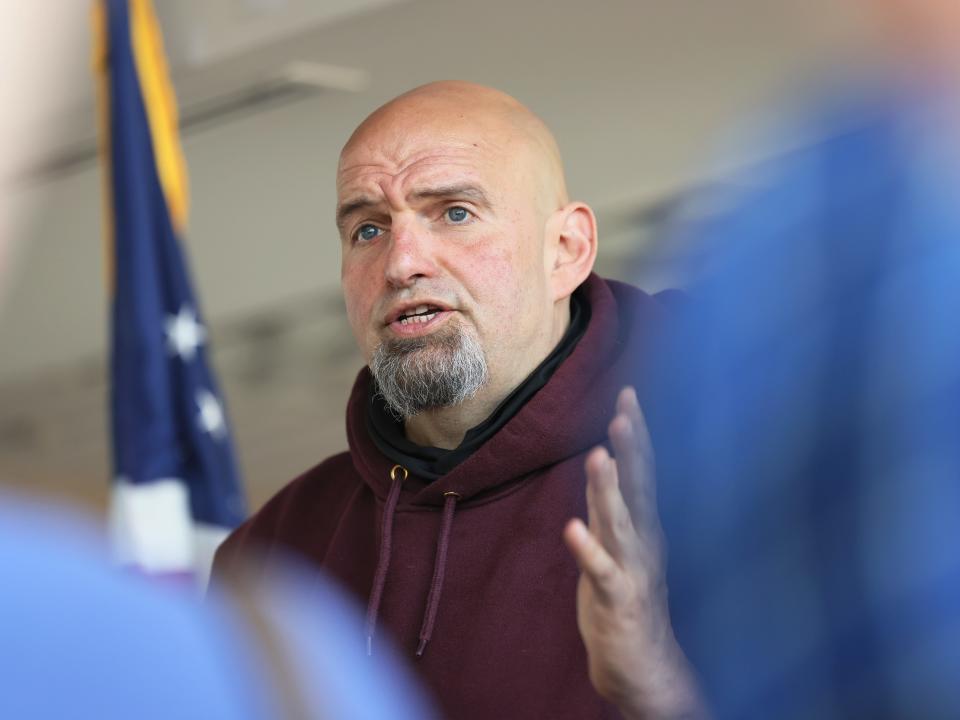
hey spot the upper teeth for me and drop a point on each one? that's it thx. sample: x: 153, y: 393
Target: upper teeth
x: 419, y: 314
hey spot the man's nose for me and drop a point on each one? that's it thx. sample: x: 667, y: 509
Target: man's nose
x: 410, y: 254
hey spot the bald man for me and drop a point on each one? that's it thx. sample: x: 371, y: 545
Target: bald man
x: 494, y: 361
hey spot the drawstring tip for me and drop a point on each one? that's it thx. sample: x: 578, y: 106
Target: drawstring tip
x: 421, y: 647
x: 369, y: 645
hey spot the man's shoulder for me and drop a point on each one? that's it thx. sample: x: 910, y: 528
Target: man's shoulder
x: 632, y: 313
x: 310, y: 500
x: 320, y: 484
x: 666, y: 297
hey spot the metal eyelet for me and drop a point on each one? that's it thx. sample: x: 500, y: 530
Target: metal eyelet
x: 393, y: 472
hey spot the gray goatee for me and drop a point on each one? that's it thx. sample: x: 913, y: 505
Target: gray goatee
x: 426, y: 373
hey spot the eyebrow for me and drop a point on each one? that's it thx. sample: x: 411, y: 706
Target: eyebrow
x: 464, y: 190
x: 349, y: 208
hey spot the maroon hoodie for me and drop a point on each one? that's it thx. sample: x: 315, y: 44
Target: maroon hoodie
x: 468, y: 573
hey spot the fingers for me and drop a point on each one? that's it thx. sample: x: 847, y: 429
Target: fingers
x: 596, y: 564
x: 612, y: 547
x: 610, y: 520
x: 631, y: 466
x: 596, y: 466
x: 627, y: 404
x: 634, y: 452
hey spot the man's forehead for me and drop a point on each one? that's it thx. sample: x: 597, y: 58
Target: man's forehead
x: 399, y: 149
x: 409, y: 166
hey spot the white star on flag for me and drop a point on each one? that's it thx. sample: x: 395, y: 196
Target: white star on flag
x: 184, y: 333
x: 211, y: 416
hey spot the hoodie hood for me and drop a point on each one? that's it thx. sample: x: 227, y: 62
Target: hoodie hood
x: 566, y: 417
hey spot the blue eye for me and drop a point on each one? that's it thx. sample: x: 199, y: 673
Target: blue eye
x: 457, y: 214
x: 367, y: 232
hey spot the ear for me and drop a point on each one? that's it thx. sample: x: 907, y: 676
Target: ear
x: 573, y: 230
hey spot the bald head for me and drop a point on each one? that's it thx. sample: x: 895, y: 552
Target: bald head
x: 476, y: 115
x: 459, y: 248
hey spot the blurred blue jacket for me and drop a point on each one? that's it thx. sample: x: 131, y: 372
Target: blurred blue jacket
x: 809, y: 453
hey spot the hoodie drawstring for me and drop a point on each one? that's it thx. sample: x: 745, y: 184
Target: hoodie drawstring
x: 397, y: 475
x: 439, y: 566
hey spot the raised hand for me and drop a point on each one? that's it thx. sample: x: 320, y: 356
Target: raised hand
x: 622, y: 612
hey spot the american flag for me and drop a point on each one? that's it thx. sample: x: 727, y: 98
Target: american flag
x: 177, y: 492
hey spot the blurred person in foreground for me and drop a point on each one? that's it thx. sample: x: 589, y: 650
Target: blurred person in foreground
x: 812, y: 500
x: 808, y: 472
x: 81, y: 639
x: 495, y: 359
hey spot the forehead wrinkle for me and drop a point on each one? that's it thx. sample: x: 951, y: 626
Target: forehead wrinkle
x: 373, y: 176
x: 399, y: 164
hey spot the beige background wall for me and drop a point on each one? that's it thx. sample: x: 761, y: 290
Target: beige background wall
x: 636, y: 91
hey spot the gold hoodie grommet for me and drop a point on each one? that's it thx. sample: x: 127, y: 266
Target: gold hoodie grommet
x: 393, y: 472
x: 452, y: 494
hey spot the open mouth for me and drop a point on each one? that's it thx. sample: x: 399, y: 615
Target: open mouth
x: 419, y: 315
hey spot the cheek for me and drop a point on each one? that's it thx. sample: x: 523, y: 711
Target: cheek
x: 491, y: 268
x: 358, y: 297
x: 504, y: 274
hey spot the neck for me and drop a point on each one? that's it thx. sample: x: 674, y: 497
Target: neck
x: 446, y: 427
